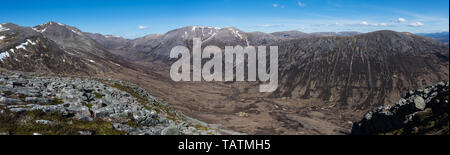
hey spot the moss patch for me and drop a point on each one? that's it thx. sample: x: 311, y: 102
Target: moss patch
x: 132, y: 122
x: 57, y: 101
x: 98, y: 95
x: 86, y: 104
x: 19, y: 96
x: 24, y: 124
x: 199, y: 127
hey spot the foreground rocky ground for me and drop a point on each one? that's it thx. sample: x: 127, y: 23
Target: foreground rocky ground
x: 424, y: 111
x: 42, y: 104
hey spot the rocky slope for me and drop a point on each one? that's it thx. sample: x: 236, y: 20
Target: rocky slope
x: 77, y: 43
x: 117, y: 45
x: 424, y: 111
x: 40, y: 104
x: 22, y: 48
x: 56, y: 48
x: 361, y: 71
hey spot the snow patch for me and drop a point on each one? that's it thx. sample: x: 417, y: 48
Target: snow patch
x: 205, y: 27
x: 3, y: 28
x: 2, y: 37
x: 185, y: 34
x: 92, y: 61
x: 40, y: 31
x: 31, y: 42
x: 77, y: 32
x: 235, y: 33
x: 70, y: 53
x: 22, y: 46
x: 4, y: 55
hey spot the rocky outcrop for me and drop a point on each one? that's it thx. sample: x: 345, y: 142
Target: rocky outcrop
x: 32, y: 103
x: 424, y: 111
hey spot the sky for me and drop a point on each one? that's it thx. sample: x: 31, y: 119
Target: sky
x: 136, y: 18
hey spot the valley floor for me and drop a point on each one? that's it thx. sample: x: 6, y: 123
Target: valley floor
x: 241, y: 107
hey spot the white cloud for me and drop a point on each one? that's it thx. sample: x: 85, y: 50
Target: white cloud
x: 301, y: 4
x: 400, y: 20
x: 141, y: 27
x: 275, y: 5
x: 417, y: 24
x: 365, y: 23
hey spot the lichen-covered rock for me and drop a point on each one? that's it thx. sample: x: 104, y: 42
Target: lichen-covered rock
x: 420, y: 112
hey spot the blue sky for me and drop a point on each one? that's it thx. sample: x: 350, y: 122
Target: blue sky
x: 134, y: 18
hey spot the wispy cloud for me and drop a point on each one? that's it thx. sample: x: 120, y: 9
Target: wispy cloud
x: 278, y: 6
x: 301, y: 4
x: 363, y: 24
x: 142, y: 27
x: 416, y: 24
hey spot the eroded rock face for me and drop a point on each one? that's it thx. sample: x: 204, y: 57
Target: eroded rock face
x: 126, y: 107
x: 360, y: 72
x: 424, y: 111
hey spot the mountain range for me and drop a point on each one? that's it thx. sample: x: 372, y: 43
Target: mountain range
x: 442, y: 36
x: 327, y: 80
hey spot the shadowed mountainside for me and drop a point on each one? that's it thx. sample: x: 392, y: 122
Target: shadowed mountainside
x: 360, y: 71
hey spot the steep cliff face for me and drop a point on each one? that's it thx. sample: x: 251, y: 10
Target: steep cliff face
x: 360, y: 71
x: 424, y: 111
